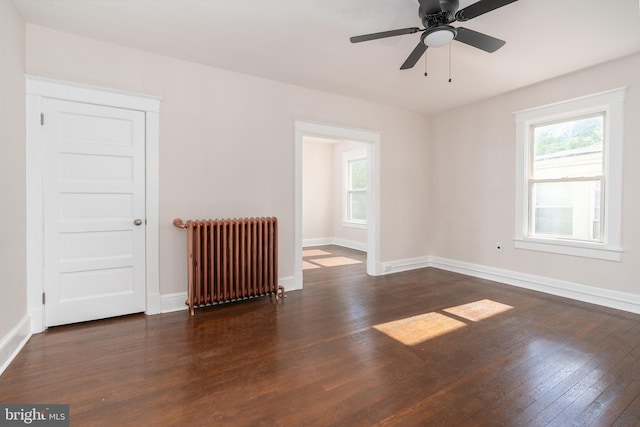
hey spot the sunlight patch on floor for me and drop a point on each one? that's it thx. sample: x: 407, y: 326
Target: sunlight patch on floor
x: 306, y: 265
x: 478, y: 310
x: 314, y: 252
x: 336, y: 261
x: 416, y: 329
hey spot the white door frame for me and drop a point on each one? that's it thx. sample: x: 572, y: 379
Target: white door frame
x: 372, y: 139
x: 39, y: 88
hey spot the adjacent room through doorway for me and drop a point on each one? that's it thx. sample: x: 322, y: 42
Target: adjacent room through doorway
x: 334, y: 193
x: 337, y: 186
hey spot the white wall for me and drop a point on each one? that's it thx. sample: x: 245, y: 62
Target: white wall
x: 13, y: 290
x: 472, y: 185
x: 317, y: 190
x: 227, y: 142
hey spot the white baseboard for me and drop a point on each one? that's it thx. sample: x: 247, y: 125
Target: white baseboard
x: 351, y: 244
x: 320, y: 241
x: 404, y: 265
x: 173, y: 302
x: 609, y: 298
x: 176, y: 302
x: 324, y: 241
x: 12, y: 343
x: 289, y: 284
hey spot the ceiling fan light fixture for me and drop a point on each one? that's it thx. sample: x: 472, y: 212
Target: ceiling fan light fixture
x: 439, y: 36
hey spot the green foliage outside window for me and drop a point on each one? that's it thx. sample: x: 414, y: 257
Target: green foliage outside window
x: 565, y: 136
x: 359, y: 174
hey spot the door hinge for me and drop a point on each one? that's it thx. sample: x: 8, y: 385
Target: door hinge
x: 43, y: 298
x: 41, y: 119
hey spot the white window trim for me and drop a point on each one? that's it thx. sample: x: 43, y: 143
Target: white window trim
x: 348, y: 156
x: 612, y: 103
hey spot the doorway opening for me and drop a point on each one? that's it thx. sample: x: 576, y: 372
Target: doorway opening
x: 343, y: 209
x: 334, y: 200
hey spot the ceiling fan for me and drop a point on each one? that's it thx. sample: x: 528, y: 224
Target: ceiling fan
x: 436, y: 16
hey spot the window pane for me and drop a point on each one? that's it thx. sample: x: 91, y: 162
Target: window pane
x: 553, y: 194
x: 567, y: 209
x: 568, y: 149
x: 596, y: 221
x: 358, y: 171
x: 358, y: 205
x: 554, y: 221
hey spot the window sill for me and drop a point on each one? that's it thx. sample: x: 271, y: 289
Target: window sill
x: 360, y: 225
x: 585, y: 250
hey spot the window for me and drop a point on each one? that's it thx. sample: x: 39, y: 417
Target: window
x: 569, y: 161
x: 355, y: 167
x: 565, y: 170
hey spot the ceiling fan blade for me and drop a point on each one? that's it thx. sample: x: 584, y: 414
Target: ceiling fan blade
x: 480, y: 8
x: 384, y: 34
x: 478, y: 40
x: 415, y: 55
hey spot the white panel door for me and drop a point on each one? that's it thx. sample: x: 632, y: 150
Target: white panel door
x: 94, y: 210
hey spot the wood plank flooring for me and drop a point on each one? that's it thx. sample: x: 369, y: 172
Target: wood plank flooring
x: 421, y: 348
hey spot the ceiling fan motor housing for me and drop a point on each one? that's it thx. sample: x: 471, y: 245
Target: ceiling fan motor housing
x: 449, y: 6
x: 434, y: 13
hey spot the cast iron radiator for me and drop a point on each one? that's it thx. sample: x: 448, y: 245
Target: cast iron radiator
x: 231, y: 259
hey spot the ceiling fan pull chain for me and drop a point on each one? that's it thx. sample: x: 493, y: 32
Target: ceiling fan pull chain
x: 425, y: 65
x: 450, y: 62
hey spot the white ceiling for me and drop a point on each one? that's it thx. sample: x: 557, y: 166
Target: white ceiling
x: 306, y: 42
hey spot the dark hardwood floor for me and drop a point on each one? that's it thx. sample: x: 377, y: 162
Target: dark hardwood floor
x: 421, y: 348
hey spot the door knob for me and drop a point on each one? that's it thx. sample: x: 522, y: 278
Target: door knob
x: 137, y: 222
